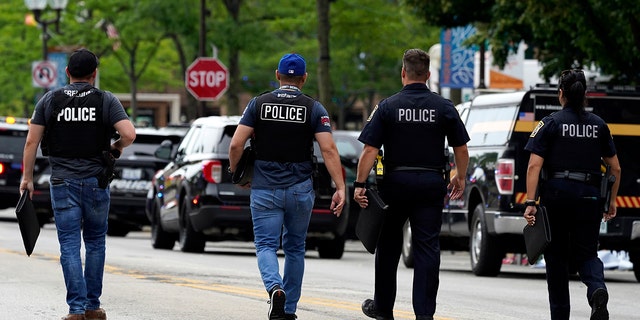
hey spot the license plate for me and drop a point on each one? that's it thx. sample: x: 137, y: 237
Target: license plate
x: 603, y: 227
x: 131, y: 174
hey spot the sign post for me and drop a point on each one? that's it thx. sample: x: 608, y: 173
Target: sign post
x: 207, y: 79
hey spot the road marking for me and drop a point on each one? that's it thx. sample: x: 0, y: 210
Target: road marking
x: 203, y: 285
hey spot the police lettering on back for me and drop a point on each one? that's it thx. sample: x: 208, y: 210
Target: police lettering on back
x: 416, y: 115
x: 580, y: 130
x: 77, y: 114
x: 283, y: 112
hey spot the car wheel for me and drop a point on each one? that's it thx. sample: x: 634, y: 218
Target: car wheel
x: 190, y: 240
x: 331, y: 249
x: 160, y: 239
x: 634, y: 257
x: 485, y: 251
x: 117, y: 229
x: 407, y: 253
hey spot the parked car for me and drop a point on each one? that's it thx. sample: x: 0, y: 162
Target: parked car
x: 488, y: 220
x: 134, y: 171
x: 192, y: 200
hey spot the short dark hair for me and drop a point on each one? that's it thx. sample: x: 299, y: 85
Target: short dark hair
x: 416, y: 63
x: 82, y: 63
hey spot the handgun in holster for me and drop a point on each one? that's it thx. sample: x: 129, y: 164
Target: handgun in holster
x: 108, y: 170
x: 606, y: 184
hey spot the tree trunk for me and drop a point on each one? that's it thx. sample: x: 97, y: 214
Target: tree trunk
x: 324, y: 79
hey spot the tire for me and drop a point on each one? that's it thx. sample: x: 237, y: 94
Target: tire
x: 190, y: 240
x: 160, y: 239
x: 407, y: 252
x: 117, y: 229
x: 485, y: 251
x: 634, y: 257
x: 331, y: 249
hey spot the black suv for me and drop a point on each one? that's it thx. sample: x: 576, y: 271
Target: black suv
x: 192, y: 199
x: 488, y: 220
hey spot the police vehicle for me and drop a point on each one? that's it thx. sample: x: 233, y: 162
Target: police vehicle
x: 134, y: 171
x: 488, y: 220
x: 192, y: 200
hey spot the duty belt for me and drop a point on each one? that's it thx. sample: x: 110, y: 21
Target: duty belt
x: 409, y: 168
x: 576, y: 176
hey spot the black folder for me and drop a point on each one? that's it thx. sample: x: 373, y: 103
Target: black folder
x: 538, y: 236
x: 28, y: 222
x: 370, y: 220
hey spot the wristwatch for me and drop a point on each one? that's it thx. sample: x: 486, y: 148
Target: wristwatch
x: 530, y: 203
x: 357, y: 184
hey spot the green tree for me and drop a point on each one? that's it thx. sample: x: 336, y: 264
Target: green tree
x: 583, y: 33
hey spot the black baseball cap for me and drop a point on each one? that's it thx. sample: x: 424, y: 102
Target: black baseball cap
x: 82, y: 63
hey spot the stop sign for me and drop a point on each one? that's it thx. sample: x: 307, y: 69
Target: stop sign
x: 206, y: 79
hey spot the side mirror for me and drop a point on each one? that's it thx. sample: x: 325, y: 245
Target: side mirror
x: 164, y: 150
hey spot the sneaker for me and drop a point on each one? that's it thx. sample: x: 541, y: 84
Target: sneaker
x: 276, y: 304
x: 289, y: 316
x: 599, y: 301
x: 369, y: 309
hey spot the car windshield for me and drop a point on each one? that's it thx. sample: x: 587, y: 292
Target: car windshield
x: 490, y: 126
x: 146, y: 145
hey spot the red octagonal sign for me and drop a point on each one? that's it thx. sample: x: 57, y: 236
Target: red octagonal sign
x: 206, y: 79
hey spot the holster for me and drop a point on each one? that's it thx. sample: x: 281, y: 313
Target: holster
x: 108, y: 170
x: 606, y: 184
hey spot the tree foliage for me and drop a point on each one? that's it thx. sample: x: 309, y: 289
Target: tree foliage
x: 564, y: 33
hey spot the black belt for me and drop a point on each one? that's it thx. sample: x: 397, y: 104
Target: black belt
x: 576, y: 176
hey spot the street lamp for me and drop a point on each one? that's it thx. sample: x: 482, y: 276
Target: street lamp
x: 37, y: 6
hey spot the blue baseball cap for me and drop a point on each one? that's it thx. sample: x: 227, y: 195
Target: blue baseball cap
x: 292, y: 64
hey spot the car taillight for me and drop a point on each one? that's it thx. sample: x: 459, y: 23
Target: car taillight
x: 212, y: 171
x: 505, y: 173
x: 1, y: 168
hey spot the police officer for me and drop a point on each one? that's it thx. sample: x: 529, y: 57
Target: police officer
x: 75, y: 124
x: 284, y: 123
x: 411, y: 126
x: 569, y: 145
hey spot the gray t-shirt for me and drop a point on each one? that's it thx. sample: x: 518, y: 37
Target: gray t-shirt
x: 77, y: 168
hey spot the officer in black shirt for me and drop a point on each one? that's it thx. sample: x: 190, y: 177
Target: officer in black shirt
x: 570, y: 145
x: 412, y: 126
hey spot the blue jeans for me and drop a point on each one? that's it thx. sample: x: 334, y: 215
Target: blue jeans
x: 271, y: 209
x: 79, y: 204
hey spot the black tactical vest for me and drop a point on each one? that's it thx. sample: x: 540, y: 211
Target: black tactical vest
x: 283, y: 128
x: 415, y: 136
x: 577, y: 143
x: 76, y: 127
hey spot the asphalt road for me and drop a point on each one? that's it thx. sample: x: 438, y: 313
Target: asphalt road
x: 224, y: 283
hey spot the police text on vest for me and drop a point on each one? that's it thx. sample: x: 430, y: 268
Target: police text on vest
x: 77, y: 114
x: 283, y: 112
x: 416, y: 115
x: 579, y: 130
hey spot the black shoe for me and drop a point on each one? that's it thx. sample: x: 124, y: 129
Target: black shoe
x: 424, y: 318
x: 599, y: 301
x: 289, y: 316
x: 369, y: 309
x: 276, y: 304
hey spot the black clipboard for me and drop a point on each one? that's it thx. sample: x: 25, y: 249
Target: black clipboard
x: 28, y: 222
x: 370, y: 220
x: 538, y: 236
